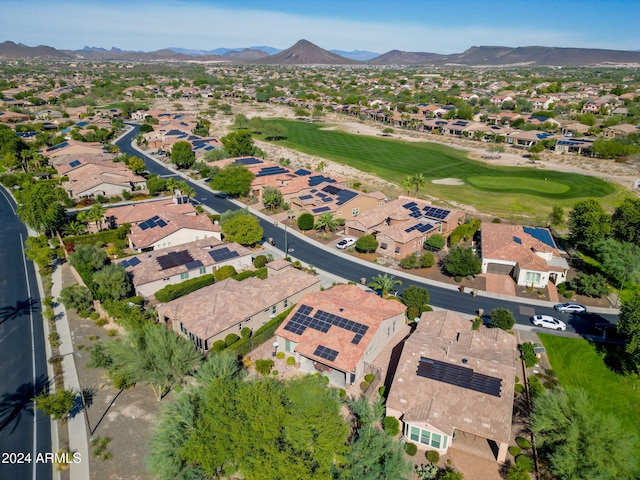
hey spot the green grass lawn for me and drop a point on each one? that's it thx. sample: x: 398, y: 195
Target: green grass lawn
x: 579, y: 365
x: 501, y: 191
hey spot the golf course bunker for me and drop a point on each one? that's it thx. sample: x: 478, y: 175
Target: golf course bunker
x: 448, y: 181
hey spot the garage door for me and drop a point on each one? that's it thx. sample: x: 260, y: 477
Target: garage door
x: 500, y: 268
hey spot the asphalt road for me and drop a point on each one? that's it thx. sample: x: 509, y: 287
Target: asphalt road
x: 343, y: 267
x: 23, y: 367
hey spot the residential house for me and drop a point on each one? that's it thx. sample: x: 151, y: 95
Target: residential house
x: 90, y: 176
x: 73, y: 147
x: 621, y: 130
x: 342, y: 202
x: 151, y: 271
x: 453, y: 383
x: 228, y: 306
x: 138, y: 212
x: 526, y: 139
x: 579, y: 146
x: 528, y: 254
x: 402, y: 226
x: 167, y: 229
x: 339, y: 331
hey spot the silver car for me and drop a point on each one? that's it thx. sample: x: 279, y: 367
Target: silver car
x: 547, y: 321
x: 346, y: 243
x: 570, y: 307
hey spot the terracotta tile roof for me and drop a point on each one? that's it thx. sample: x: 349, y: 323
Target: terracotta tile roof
x: 217, y: 307
x: 444, y: 336
x: 141, y: 211
x: 352, y: 303
x: 174, y: 222
x: 149, y: 269
x: 69, y: 162
x: 94, y: 174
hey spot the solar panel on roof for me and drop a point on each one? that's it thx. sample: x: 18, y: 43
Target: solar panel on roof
x: 517, y: 240
x: 411, y: 229
x: 425, y: 227
x: 302, y: 172
x: 540, y: 234
x: 415, y: 214
x: 58, y: 147
x: 332, y: 189
x: 143, y: 226
x: 134, y: 261
x: 75, y: 163
x: 193, y: 265
x: 327, y: 199
x: 326, y: 353
x: 161, y: 223
x: 345, y: 195
x: 306, y: 197
x: 459, y: 376
x: 125, y: 264
x: 248, y: 161
x: 174, y: 259
x: 409, y: 205
x: 222, y: 254
x: 321, y: 209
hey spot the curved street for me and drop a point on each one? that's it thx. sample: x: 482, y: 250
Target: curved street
x: 342, y: 265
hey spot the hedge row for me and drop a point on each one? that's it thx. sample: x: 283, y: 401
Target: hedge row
x: 260, y: 336
x: 171, y: 292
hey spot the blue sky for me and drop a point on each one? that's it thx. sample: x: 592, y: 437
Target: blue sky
x: 379, y: 26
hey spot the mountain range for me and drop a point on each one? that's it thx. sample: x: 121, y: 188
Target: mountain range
x: 306, y: 53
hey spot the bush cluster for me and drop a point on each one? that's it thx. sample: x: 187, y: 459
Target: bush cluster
x: 171, y: 292
x: 528, y: 356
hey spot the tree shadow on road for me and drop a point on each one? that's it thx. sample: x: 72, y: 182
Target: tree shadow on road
x: 14, y: 405
x: 22, y: 307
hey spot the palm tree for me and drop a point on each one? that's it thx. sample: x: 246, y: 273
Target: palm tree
x: 384, y: 283
x: 74, y: 227
x: 406, y: 184
x: 326, y: 221
x: 96, y: 214
x: 418, y: 181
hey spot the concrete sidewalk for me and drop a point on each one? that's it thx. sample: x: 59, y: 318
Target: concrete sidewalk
x: 78, y: 440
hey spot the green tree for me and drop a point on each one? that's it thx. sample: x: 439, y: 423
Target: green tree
x: 410, y: 261
x: 367, y: 244
x: 275, y: 131
x: 415, y: 296
x: 629, y: 324
x: 579, y: 442
x: 58, y: 405
x: 427, y: 260
x: 272, y: 198
x: 418, y: 181
x: 182, y: 155
x: 241, y: 121
x: 88, y: 257
x: 137, y: 165
x: 502, y: 318
x: 40, y: 206
x: 156, y: 184
x: 112, y: 282
x: 234, y: 180
x: 305, y: 221
x: 556, y: 217
x: 216, y: 154
x: 146, y: 128
x: 39, y: 251
x: 95, y: 214
x: 77, y: 297
x: 588, y: 223
x: 244, y: 229
x: 406, y: 184
x: 625, y: 221
x: 621, y: 260
x: 239, y: 143
x: 592, y: 285
x: 326, y: 222
x: 436, y: 241
x: 462, y: 261
x: 384, y: 282
x: 155, y: 355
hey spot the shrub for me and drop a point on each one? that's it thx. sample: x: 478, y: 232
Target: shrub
x: 427, y: 260
x: 342, y: 393
x: 382, y: 390
x: 435, y: 241
x: 274, y: 373
x: 224, y: 272
x: 280, y: 355
x: 264, y: 366
x: 260, y: 261
x: 462, y: 261
x: 94, y: 316
x: 517, y: 379
x: 58, y: 405
x: 218, y: 346
x: 410, y: 261
x: 171, y: 292
x: 415, y: 296
x: 457, y: 278
x: 413, y: 313
x: 305, y: 221
x: 475, y: 325
x: 526, y: 462
x: 432, y: 456
x: 367, y: 244
x: 410, y: 448
x: 369, y: 377
x: 101, y: 322
x: 291, y: 361
x: 391, y: 425
x: 502, y: 318
x: 519, y: 388
x: 246, y: 332
x: 536, y: 389
x: 514, y: 451
x: 594, y: 285
x: 528, y: 356
x: 231, y: 339
x: 523, y: 443
x: 364, y: 386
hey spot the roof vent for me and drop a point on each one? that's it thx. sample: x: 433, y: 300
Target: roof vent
x: 464, y: 360
x: 341, y: 309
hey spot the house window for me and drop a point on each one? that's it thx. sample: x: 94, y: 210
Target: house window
x: 182, y: 329
x: 274, y: 309
x: 203, y: 270
x: 415, y: 434
x: 426, y: 437
x: 355, y: 211
x: 184, y: 276
x: 532, y: 277
x: 383, y: 246
x: 286, y: 303
x: 397, y: 249
x: 435, y: 440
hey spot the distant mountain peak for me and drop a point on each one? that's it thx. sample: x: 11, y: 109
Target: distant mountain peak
x: 303, y: 52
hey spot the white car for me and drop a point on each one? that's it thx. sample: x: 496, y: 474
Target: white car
x: 547, y: 321
x: 570, y: 307
x: 346, y: 243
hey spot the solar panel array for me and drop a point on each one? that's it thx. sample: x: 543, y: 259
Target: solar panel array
x: 463, y: 377
x: 318, y: 179
x: 131, y: 263
x: 152, y: 223
x: 302, y: 172
x: 321, y: 209
x: 222, y: 254
x: 332, y: 189
x: 193, y: 265
x: 540, y: 234
x: 306, y: 197
x: 174, y: 259
x: 268, y: 171
x: 322, y: 321
x: 248, y: 161
x: 75, y: 163
x: 421, y: 227
x: 58, y: 147
x: 437, y: 213
x: 326, y: 353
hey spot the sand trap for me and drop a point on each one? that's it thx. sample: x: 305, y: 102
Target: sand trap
x: 448, y: 181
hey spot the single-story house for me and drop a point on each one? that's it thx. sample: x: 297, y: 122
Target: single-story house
x: 339, y: 331
x: 138, y: 212
x: 151, y: 271
x: 452, y: 383
x: 528, y: 254
x: 106, y: 180
x: 226, y: 307
x: 167, y: 229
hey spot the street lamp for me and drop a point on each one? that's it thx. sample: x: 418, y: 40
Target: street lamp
x: 275, y: 348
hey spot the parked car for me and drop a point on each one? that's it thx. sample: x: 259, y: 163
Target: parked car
x: 570, y: 307
x: 346, y: 243
x: 547, y: 321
